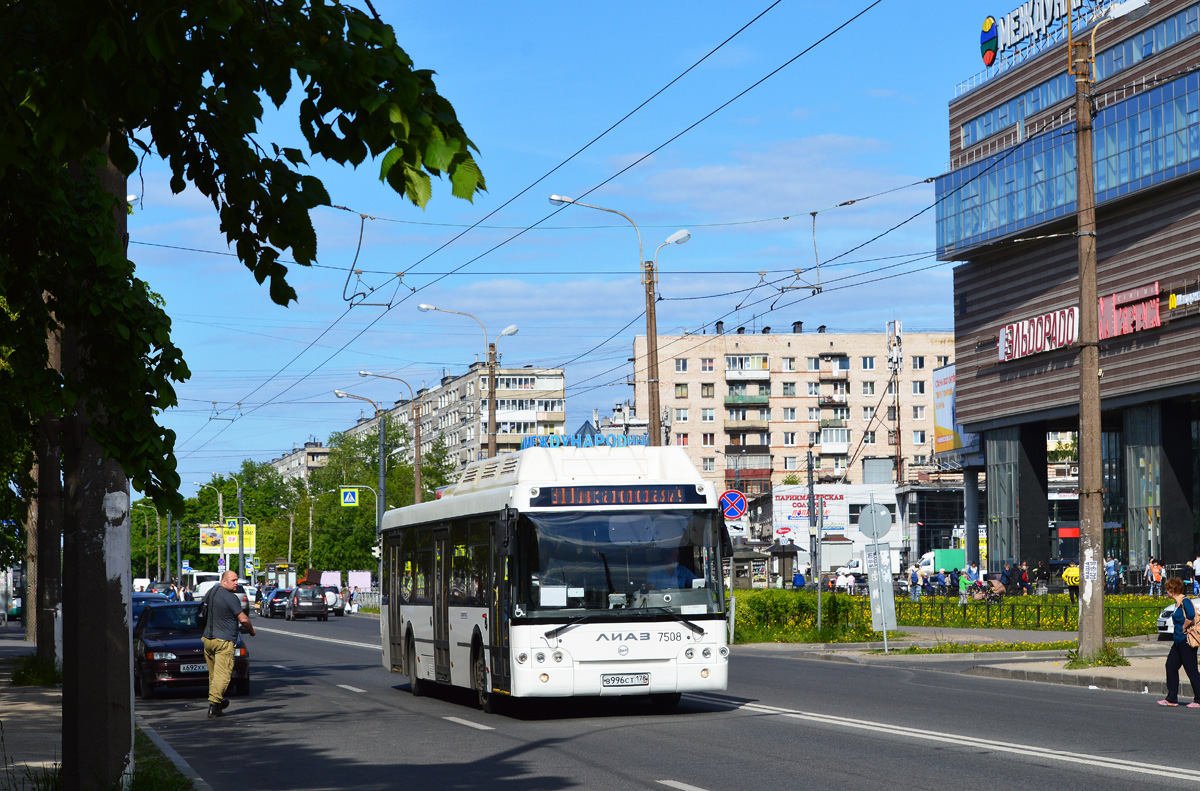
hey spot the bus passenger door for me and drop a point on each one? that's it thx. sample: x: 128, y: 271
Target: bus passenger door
x: 500, y: 609
x: 441, y: 599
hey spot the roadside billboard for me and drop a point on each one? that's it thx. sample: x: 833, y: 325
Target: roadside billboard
x: 840, y: 504
x: 223, y: 540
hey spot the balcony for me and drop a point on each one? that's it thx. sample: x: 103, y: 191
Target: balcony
x: 747, y: 376
x: 834, y: 375
x: 835, y: 448
x: 837, y: 399
x: 748, y: 450
x: 745, y: 425
x: 833, y: 423
x: 747, y: 400
x: 747, y: 474
x: 551, y: 417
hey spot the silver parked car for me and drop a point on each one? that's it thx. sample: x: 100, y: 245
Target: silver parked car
x: 1166, y: 629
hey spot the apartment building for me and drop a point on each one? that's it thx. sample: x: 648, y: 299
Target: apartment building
x: 749, y: 406
x: 529, y: 401
x: 301, y: 462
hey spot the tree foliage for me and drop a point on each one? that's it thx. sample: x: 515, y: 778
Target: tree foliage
x: 83, y: 84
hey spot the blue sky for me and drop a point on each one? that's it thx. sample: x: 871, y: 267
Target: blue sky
x: 863, y: 112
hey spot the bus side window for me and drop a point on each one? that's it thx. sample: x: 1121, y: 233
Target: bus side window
x: 424, y: 583
x: 460, y: 562
x: 408, y: 565
x: 479, y: 574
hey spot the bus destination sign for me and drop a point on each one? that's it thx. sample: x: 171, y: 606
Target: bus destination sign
x: 600, y: 496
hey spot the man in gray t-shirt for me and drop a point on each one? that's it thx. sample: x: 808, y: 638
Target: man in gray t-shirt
x: 220, y: 639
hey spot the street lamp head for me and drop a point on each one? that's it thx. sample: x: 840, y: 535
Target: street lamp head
x: 425, y: 308
x: 1118, y: 10
x: 511, y: 329
x: 679, y: 237
x: 340, y: 393
x: 559, y: 200
x: 365, y: 373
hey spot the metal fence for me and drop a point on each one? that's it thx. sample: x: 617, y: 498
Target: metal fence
x: 368, y: 599
x: 1122, y: 620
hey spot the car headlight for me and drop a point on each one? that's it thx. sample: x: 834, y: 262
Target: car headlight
x: 159, y: 656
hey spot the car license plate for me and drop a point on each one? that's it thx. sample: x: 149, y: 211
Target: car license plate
x: 193, y: 668
x: 625, y: 680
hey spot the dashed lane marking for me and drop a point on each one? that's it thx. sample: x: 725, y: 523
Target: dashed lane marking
x: 352, y: 689
x: 372, y: 646
x: 469, y: 724
x: 679, y: 785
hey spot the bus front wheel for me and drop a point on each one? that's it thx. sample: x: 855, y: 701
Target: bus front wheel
x: 487, y: 703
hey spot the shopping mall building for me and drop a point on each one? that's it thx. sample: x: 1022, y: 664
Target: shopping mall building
x: 1007, y: 211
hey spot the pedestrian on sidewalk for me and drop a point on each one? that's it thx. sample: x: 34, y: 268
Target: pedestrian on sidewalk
x: 1196, y: 575
x: 963, y: 583
x: 1182, y: 654
x: 973, y: 573
x: 220, y: 638
x: 914, y: 584
x: 1070, y: 577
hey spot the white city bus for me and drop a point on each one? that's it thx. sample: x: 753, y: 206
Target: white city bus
x: 554, y: 572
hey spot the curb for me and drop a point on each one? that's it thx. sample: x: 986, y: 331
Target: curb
x: 1073, y: 680
x: 183, y: 766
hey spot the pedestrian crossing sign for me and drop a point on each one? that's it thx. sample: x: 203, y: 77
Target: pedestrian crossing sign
x: 349, y: 497
x: 231, y: 522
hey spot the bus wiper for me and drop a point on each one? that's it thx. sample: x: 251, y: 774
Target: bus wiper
x: 556, y: 631
x: 697, y: 630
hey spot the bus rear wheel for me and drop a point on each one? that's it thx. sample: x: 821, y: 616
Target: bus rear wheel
x: 487, y: 702
x: 415, y: 685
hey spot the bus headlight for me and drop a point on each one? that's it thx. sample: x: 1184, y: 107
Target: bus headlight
x: 707, y: 653
x: 544, y: 677
x: 540, y: 657
x: 724, y: 651
x: 558, y: 656
x: 704, y: 673
x: 690, y: 653
x: 522, y: 658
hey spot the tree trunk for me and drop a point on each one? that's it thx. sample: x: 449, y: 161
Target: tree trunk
x: 97, y: 727
x: 29, y: 596
x: 49, y: 593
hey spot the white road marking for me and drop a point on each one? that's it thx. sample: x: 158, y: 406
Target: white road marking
x: 373, y: 646
x: 679, y: 785
x: 1087, y: 759
x: 283, y: 667
x: 469, y: 724
x: 352, y: 689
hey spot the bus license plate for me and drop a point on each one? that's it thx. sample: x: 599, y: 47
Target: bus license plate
x: 625, y: 680
x: 193, y: 668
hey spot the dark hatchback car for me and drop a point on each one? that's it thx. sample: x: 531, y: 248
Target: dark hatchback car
x: 274, y: 603
x: 307, y: 600
x: 141, y: 599
x: 168, y: 652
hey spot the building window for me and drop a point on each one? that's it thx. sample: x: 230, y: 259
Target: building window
x: 789, y: 438
x: 841, y: 364
x: 789, y: 414
x: 814, y: 438
x: 680, y: 365
x: 814, y: 363
x: 764, y: 413
x: 681, y: 440
x: 681, y: 391
x: 708, y: 440
x: 891, y: 388
x: 943, y: 359
x: 918, y: 413
x: 919, y: 387
x: 868, y: 437
x: 708, y: 415
x: 706, y: 364
x: 747, y: 362
x: 737, y: 413
x: 919, y: 437
x: 708, y: 464
x: 918, y: 362
x: 891, y: 414
x: 814, y: 388
x: 708, y: 390
x: 841, y: 413
x: 919, y: 458
x: 868, y: 388
x: 868, y: 363
x: 789, y: 363
x: 868, y: 413
x: 789, y: 388
x: 790, y: 463
x: 681, y: 416
x: 737, y: 389
x: 814, y: 413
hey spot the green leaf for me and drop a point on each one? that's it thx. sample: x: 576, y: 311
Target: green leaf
x: 389, y: 161
x: 315, y: 191
x: 439, y: 152
x: 466, y: 179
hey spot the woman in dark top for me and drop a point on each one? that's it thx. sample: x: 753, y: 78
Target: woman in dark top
x: 1182, y: 654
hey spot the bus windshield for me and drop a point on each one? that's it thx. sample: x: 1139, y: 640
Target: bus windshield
x: 619, y: 560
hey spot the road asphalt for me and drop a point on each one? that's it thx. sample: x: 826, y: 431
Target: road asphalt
x: 30, y: 717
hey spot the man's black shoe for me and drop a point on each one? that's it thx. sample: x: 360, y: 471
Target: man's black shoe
x: 215, y: 710
x: 224, y: 704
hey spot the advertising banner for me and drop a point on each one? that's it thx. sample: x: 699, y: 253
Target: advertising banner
x: 948, y: 436
x: 840, y: 503
x: 230, y: 536
x: 210, y: 539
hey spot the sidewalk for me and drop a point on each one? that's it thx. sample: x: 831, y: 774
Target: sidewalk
x: 30, y: 717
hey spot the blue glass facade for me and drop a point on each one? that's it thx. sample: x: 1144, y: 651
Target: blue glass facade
x: 1147, y: 139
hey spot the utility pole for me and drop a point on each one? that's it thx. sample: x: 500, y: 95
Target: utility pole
x: 1091, y: 482
x: 381, y: 497
x: 896, y: 365
x: 492, y: 400
x: 241, y: 566
x: 815, y: 528
x: 179, y: 549
x: 169, y: 577
x: 291, y: 530
x: 650, y: 280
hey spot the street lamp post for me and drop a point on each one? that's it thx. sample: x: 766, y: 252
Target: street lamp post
x: 241, y: 567
x: 381, y: 427
x: 157, y: 538
x: 415, y: 412
x: 649, y: 280
x: 511, y: 329
x: 1081, y: 56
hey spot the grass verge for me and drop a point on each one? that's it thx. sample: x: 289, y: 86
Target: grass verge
x: 152, y: 771
x: 1108, y: 656
x: 979, y: 648
x: 29, y: 671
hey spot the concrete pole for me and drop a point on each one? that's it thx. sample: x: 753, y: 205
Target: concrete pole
x: 649, y: 279
x: 971, y: 513
x: 241, y: 566
x: 492, y: 400
x: 417, y: 452
x: 381, y: 497
x: 1091, y: 483
x: 291, y: 531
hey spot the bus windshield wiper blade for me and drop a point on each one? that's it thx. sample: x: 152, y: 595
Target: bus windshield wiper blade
x: 556, y: 631
x: 698, y: 630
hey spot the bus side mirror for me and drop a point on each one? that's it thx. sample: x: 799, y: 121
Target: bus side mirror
x: 726, y: 541
x: 506, y: 532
